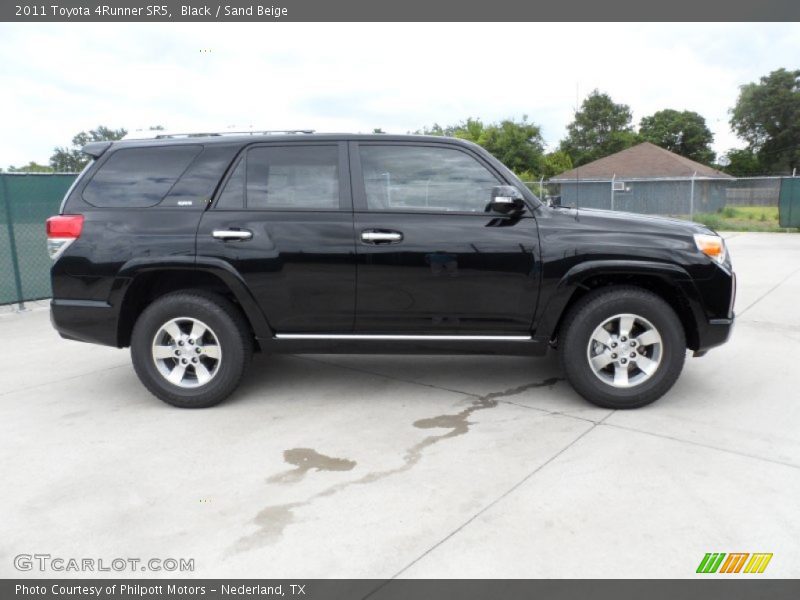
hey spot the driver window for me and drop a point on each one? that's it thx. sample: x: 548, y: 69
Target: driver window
x: 424, y: 178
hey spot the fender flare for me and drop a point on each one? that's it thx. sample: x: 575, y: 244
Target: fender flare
x: 551, y: 310
x: 217, y: 267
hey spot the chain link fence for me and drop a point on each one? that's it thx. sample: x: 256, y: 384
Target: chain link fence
x: 26, y: 200
x: 699, y: 198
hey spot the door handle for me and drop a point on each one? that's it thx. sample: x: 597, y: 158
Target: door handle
x: 232, y: 234
x: 381, y: 237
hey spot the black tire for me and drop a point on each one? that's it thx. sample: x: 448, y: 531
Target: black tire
x: 593, y: 310
x: 228, y: 325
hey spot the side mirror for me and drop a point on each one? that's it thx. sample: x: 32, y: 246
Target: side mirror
x: 553, y: 201
x: 506, y: 199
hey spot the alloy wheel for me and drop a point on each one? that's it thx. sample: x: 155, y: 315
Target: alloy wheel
x: 625, y: 350
x: 186, y: 352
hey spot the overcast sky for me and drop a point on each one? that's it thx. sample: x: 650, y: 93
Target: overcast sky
x: 58, y: 79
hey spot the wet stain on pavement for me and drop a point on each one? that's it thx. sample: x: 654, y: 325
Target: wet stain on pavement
x: 459, y: 423
x: 306, y: 459
x: 272, y: 520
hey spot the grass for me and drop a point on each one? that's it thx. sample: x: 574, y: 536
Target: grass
x: 744, y: 218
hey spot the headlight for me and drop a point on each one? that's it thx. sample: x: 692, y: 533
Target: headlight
x: 712, y: 246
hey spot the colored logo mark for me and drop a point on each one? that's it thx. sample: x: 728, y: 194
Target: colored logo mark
x: 734, y: 562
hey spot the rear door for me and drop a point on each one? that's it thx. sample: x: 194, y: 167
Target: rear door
x: 431, y: 259
x: 283, y: 219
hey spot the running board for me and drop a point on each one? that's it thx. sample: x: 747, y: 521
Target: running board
x: 410, y: 338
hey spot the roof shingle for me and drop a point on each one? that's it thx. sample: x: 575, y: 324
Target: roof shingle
x: 644, y: 160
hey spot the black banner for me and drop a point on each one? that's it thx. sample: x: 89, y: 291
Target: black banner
x: 399, y: 589
x: 407, y: 10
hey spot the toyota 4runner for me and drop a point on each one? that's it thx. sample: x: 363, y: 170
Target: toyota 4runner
x: 198, y: 250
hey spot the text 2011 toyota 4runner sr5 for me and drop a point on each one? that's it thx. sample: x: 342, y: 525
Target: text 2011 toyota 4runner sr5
x: 198, y: 250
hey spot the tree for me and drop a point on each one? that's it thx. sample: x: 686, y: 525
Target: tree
x: 31, y: 167
x: 471, y: 130
x: 600, y: 128
x: 72, y: 160
x: 517, y: 144
x: 555, y: 163
x: 683, y: 132
x: 741, y: 163
x: 767, y: 117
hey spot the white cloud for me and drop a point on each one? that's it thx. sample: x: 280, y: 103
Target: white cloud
x: 58, y: 79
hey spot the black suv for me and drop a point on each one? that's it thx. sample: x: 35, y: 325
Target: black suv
x: 198, y: 250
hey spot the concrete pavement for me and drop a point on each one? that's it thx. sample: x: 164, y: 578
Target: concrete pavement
x: 382, y: 466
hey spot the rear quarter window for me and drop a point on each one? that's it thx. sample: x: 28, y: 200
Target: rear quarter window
x: 138, y: 177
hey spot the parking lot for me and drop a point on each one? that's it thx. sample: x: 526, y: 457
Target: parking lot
x: 383, y: 466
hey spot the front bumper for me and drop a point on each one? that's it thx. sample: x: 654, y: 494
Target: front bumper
x: 713, y: 310
x: 716, y: 333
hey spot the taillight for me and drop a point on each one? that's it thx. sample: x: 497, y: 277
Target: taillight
x: 62, y: 230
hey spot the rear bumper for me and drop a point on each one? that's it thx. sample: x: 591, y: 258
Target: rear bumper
x: 84, y: 320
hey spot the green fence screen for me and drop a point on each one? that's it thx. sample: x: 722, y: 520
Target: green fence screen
x: 26, y: 200
x: 789, y: 212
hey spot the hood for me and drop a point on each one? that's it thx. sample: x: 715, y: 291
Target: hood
x: 615, y: 220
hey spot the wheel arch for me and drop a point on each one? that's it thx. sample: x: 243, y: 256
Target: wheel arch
x: 140, y: 282
x: 668, y: 281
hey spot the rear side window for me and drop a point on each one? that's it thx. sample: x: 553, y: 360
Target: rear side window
x: 293, y: 177
x: 138, y: 177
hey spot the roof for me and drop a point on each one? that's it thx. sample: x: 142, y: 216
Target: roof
x: 259, y: 137
x: 642, y: 161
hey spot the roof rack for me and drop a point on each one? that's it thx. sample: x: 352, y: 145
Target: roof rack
x: 158, y: 134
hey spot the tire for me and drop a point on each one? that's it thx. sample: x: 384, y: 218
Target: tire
x: 604, y: 315
x: 184, y: 371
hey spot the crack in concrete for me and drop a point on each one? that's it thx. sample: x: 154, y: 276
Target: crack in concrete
x: 490, y: 505
x: 57, y: 381
x: 664, y: 436
x: 769, y: 291
x: 557, y: 413
x: 272, y: 520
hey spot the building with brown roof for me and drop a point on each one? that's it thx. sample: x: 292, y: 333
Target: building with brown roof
x: 643, y: 161
x: 647, y: 179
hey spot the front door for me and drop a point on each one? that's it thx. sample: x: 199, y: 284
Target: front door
x: 284, y: 221
x: 431, y: 259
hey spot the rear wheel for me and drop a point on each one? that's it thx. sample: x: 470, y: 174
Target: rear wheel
x: 622, y: 347
x: 190, y: 349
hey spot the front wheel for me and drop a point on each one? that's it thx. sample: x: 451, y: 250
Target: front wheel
x: 622, y: 347
x: 190, y: 349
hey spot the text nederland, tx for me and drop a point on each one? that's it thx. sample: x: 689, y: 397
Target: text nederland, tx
x: 125, y: 589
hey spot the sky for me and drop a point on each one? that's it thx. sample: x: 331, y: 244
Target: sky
x: 57, y: 79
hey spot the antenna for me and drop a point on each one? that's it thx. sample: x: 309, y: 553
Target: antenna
x: 577, y: 169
